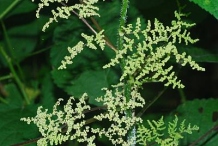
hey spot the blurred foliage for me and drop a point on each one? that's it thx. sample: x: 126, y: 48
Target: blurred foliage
x: 29, y: 75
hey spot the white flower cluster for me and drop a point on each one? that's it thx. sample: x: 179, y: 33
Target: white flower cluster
x: 91, y: 40
x: 85, y: 9
x: 146, y: 52
x: 117, y: 108
x: 72, y: 119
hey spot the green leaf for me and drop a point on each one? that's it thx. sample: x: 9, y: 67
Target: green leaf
x: 25, y: 6
x: 14, y: 7
x: 14, y: 131
x: 89, y: 81
x: 14, y: 96
x: 199, y: 54
x: 202, y: 113
x: 209, y: 5
x: 23, y: 39
x: 48, y: 98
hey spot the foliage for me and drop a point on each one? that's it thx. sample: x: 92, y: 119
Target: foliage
x: 155, y: 132
x: 193, y: 111
x: 208, y: 5
x: 108, y: 85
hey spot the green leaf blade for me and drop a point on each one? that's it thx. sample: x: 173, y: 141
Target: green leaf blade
x: 209, y: 5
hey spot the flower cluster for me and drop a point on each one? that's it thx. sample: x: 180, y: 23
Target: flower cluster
x: 147, y: 52
x: 91, y: 41
x: 51, y: 125
x: 85, y: 9
x: 117, y: 108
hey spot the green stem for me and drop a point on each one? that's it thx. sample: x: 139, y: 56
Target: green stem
x: 10, y: 48
x: 123, y: 16
x: 152, y: 102
x: 7, y: 39
x: 3, y: 100
x: 38, y: 52
x: 17, y: 79
x: 127, y: 87
x: 6, y: 77
x: 182, y: 95
x: 9, y: 8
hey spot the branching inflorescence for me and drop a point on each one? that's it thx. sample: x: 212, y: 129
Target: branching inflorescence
x: 117, y: 105
x: 84, y: 10
x: 91, y: 43
x: 51, y: 124
x: 145, y: 53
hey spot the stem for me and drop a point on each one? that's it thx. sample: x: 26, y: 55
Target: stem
x: 94, y: 21
x: 108, y: 43
x: 7, y: 39
x: 10, y: 64
x: 182, y: 95
x: 152, y: 102
x: 128, y: 85
x: 27, y: 142
x: 9, y: 8
x: 215, y: 128
x: 6, y: 77
x: 123, y: 16
x: 10, y: 48
x: 3, y: 100
x: 19, y: 83
x: 38, y: 52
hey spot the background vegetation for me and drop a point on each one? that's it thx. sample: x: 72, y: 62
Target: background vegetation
x: 29, y: 59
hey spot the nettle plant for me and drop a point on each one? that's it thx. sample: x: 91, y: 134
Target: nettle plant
x: 143, y: 54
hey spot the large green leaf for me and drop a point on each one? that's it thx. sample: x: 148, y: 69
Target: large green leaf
x: 202, y: 113
x: 23, y: 39
x: 209, y: 5
x: 88, y: 81
x: 12, y: 130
